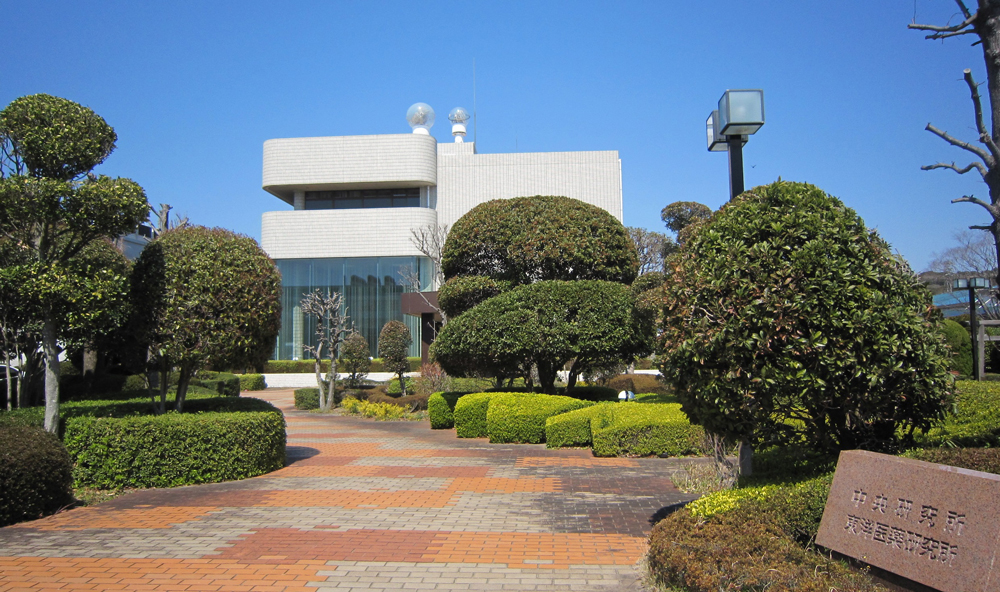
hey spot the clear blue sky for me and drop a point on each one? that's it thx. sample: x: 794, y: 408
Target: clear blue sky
x: 195, y: 88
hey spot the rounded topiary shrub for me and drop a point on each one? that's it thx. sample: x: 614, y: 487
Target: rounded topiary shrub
x: 36, y: 474
x: 307, y: 398
x: 785, y: 316
x: 252, y: 382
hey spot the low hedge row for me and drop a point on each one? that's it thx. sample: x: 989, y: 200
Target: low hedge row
x: 976, y: 421
x: 986, y: 460
x: 36, y: 474
x: 627, y: 429
x: 309, y: 366
x: 441, y: 407
x: 307, y: 398
x: 407, y: 403
x: 520, y: 417
x: 175, y: 449
x: 374, y: 410
x: 223, y: 383
x: 252, y: 382
x: 470, y: 415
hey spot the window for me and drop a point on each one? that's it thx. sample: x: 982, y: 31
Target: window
x: 363, y: 198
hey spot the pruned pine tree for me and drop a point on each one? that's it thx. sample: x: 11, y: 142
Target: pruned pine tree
x: 331, y: 330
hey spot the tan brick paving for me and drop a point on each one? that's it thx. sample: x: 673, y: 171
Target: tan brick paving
x: 367, y: 506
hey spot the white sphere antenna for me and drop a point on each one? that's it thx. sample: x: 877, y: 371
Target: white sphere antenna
x: 420, y: 116
x: 458, y: 117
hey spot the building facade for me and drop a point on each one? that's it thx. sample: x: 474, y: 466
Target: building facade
x: 356, y: 200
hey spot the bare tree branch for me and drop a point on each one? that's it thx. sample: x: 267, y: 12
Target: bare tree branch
x: 974, y: 200
x: 430, y: 240
x: 983, y: 154
x: 940, y: 32
x: 975, y: 165
x: 975, y: 227
x: 984, y: 134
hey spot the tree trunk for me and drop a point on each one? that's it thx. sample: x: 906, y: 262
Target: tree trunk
x: 746, y: 459
x: 182, y: 385
x: 89, y: 360
x: 51, y: 348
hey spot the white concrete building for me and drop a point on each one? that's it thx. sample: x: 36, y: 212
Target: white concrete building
x: 356, y: 199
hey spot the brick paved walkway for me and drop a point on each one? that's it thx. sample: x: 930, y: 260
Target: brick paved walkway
x: 363, y: 505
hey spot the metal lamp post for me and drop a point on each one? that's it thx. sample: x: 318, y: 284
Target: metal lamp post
x: 740, y: 115
x: 973, y: 284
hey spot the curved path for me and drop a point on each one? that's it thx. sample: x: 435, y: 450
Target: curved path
x: 363, y: 505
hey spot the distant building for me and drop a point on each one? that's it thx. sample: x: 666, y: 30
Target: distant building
x: 356, y: 199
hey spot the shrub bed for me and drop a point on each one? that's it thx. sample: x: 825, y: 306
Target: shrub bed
x: 441, y: 407
x: 520, y: 417
x: 470, y: 415
x: 642, y: 429
x: 252, y: 382
x: 36, y: 474
x: 641, y: 383
x: 408, y: 403
x: 175, y: 449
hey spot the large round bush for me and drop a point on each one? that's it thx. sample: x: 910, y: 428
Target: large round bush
x: 785, y: 315
x: 36, y: 474
x: 529, y: 239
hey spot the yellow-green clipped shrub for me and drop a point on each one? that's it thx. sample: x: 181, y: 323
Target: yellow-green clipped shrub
x: 252, y: 382
x: 379, y: 411
x: 728, y: 499
x: 520, y: 417
x: 440, y: 408
x: 470, y: 415
x: 642, y: 429
x: 174, y: 449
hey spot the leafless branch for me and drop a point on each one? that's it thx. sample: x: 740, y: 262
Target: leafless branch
x: 412, y: 279
x: 430, y: 240
x: 974, y: 200
x: 986, y: 228
x: 984, y: 134
x: 939, y: 32
x: 983, y: 154
x: 975, y: 165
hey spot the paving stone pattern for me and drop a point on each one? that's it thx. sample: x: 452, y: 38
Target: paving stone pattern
x: 363, y: 505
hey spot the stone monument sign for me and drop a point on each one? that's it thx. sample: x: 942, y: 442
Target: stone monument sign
x: 934, y: 524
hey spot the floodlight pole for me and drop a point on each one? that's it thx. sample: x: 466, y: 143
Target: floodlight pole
x: 734, y: 145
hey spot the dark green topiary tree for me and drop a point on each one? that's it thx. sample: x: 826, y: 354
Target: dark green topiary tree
x: 461, y: 293
x: 205, y: 296
x: 546, y: 325
x: 530, y: 239
x: 53, y: 206
x: 393, y: 345
x: 960, y: 343
x: 355, y: 356
x: 785, y: 316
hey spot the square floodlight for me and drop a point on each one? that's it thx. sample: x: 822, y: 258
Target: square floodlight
x: 959, y: 284
x: 741, y: 112
x: 716, y: 142
x: 978, y: 282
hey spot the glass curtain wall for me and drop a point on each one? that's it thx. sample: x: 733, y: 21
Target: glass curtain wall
x: 372, y: 289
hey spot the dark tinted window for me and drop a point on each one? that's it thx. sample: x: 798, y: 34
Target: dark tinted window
x: 363, y: 198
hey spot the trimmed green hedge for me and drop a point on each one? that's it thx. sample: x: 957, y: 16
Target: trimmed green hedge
x: 643, y: 429
x: 309, y: 366
x: 441, y: 407
x: 36, y: 474
x: 573, y: 428
x: 627, y: 429
x: 470, y: 415
x: 976, y: 421
x: 520, y: 417
x: 224, y: 383
x: 307, y: 398
x: 174, y: 449
x: 252, y: 382
x: 986, y: 460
